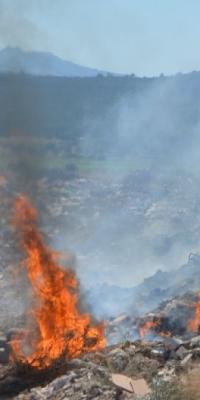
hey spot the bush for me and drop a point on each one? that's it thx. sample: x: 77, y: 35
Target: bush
x: 185, y: 388
x: 162, y: 390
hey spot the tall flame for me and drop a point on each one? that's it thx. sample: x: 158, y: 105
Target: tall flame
x: 194, y: 323
x: 61, y: 329
x: 147, y: 328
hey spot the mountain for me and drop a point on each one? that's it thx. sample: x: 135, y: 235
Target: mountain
x: 164, y: 285
x: 160, y: 287
x: 13, y: 59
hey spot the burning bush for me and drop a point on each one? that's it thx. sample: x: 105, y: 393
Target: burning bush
x: 62, y: 331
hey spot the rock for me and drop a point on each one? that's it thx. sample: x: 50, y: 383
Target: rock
x: 180, y: 352
x: 62, y: 383
x: 121, y: 319
x: 89, y: 378
x: 172, y: 343
x: 186, y: 360
x: 76, y: 363
x: 94, y: 392
x: 196, y: 353
x: 167, y: 373
x: 195, y: 341
x: 160, y: 353
x: 131, y: 350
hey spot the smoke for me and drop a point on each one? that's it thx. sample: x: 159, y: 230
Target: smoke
x: 18, y: 117
x: 139, y: 208
x: 149, y: 123
x: 24, y: 156
x: 147, y: 145
x: 19, y: 28
x: 23, y: 147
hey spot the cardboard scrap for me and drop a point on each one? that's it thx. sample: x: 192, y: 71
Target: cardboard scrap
x: 123, y: 381
x: 140, y: 387
x: 137, y: 386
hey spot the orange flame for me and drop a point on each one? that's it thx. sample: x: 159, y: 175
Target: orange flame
x: 194, y: 324
x: 62, y: 330
x: 146, y: 328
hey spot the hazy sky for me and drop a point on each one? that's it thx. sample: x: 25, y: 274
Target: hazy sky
x: 145, y: 37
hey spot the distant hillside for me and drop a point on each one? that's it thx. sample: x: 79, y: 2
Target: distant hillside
x: 160, y: 287
x: 41, y: 63
x: 121, y: 116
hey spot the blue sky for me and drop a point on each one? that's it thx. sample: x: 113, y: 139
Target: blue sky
x: 145, y: 37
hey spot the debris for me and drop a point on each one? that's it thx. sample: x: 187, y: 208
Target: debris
x: 123, y: 381
x: 137, y: 386
x: 140, y: 387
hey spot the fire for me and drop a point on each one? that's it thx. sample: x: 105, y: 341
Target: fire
x: 146, y: 328
x: 62, y: 331
x: 194, y: 324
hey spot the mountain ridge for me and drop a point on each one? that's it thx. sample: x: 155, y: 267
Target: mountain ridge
x: 16, y: 60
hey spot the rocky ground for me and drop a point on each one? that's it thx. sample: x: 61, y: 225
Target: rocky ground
x: 94, y: 375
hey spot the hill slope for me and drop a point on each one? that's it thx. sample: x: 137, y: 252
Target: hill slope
x: 41, y: 63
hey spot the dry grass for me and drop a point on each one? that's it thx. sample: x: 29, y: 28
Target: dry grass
x: 185, y: 388
x: 165, y: 391
x: 190, y: 387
